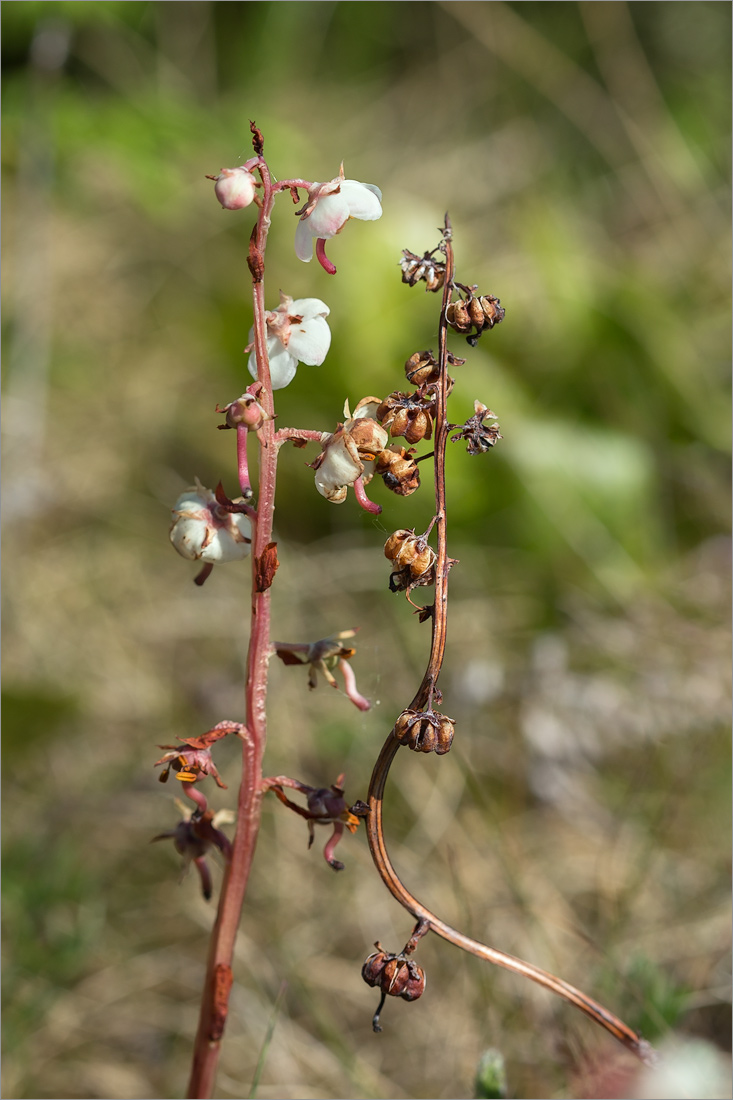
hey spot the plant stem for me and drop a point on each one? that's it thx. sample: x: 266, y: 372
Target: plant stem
x: 214, y: 1003
x: 374, y: 824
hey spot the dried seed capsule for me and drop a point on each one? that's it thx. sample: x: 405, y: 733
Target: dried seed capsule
x: 458, y: 317
x: 425, y: 731
x: 492, y: 309
x: 395, y: 542
x: 399, y: 470
x: 422, y: 367
x: 396, y: 975
x: 407, y: 414
x: 373, y: 966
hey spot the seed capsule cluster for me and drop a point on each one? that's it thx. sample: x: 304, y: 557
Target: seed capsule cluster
x: 395, y: 975
x: 408, y: 414
x: 480, y: 313
x: 425, y: 731
x: 413, y: 559
x: 399, y: 470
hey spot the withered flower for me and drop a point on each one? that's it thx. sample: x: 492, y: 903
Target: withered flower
x: 479, y: 437
x: 425, y: 731
x: 399, y: 470
x: 191, y: 760
x: 408, y: 414
x: 426, y: 267
x: 326, y: 806
x: 193, y: 837
x: 323, y: 656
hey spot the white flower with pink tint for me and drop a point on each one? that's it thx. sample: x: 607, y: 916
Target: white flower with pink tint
x: 297, y: 332
x: 204, y: 529
x: 329, y: 207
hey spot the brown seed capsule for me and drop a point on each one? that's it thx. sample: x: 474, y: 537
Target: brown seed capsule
x: 373, y: 966
x: 399, y: 470
x: 422, y: 367
x: 408, y: 414
x: 492, y: 310
x: 396, y: 975
x: 425, y: 731
x: 458, y: 316
x: 395, y: 542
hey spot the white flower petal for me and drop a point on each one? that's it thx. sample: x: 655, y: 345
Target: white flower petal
x: 362, y: 199
x: 303, y: 242
x: 310, y: 341
x: 307, y: 308
x: 283, y: 366
x: 330, y: 215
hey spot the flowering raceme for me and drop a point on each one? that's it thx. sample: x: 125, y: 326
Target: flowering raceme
x: 329, y: 207
x: 297, y: 332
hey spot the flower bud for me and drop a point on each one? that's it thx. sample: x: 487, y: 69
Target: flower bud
x: 399, y: 470
x: 234, y: 188
x: 245, y: 410
x: 425, y: 731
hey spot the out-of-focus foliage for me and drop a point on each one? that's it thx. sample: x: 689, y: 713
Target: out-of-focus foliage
x: 582, y: 818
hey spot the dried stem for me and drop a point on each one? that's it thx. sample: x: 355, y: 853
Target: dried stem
x: 423, y: 696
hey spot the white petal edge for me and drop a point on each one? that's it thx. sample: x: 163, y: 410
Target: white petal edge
x: 363, y: 201
x: 303, y: 242
x: 310, y: 341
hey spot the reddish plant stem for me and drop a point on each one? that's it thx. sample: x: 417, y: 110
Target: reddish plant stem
x: 423, y: 697
x: 215, y: 996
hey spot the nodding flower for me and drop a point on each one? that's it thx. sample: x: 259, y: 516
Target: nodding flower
x: 297, y: 332
x: 329, y: 207
x: 348, y: 453
x: 206, y: 529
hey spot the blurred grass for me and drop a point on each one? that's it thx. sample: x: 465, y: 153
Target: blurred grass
x: 582, y: 818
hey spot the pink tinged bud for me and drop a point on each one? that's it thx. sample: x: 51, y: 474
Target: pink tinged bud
x: 234, y: 188
x: 330, y: 207
x: 202, y: 530
x: 297, y: 332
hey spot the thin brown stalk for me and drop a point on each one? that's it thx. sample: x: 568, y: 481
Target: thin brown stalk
x: 423, y: 696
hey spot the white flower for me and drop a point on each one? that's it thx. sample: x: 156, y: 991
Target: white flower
x: 297, y: 331
x: 349, y: 453
x: 204, y: 530
x: 330, y: 205
x: 234, y: 188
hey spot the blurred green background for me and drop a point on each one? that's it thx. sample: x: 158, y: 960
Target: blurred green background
x: 582, y: 818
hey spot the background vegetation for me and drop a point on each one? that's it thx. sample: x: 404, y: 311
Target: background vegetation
x: 581, y: 819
